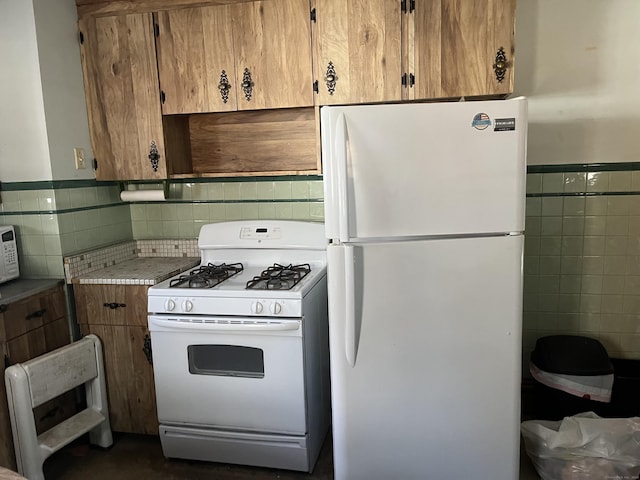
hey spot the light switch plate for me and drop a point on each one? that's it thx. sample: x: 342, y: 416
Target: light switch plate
x: 78, y: 154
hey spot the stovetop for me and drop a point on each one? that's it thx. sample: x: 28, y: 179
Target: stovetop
x: 232, y: 297
x: 257, y: 268
x: 274, y: 277
x: 236, y: 284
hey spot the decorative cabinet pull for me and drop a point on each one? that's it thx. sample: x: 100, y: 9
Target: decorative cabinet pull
x: 224, y: 86
x: 154, y: 156
x: 247, y: 84
x: 114, y: 305
x: 37, y: 314
x: 500, y: 67
x: 330, y: 78
x: 3, y: 307
x: 146, y: 348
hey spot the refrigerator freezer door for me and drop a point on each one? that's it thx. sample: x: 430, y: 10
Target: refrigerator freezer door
x: 424, y: 169
x: 425, y: 372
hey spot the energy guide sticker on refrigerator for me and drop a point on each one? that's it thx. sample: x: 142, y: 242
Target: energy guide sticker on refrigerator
x: 424, y: 212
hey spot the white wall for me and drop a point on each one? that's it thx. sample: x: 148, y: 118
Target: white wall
x: 43, y: 114
x: 24, y: 150
x: 62, y: 86
x: 578, y: 61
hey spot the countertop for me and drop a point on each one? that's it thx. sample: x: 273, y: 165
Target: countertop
x: 20, y: 288
x: 139, y: 271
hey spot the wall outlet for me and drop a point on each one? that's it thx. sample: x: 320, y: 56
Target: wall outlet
x: 78, y: 154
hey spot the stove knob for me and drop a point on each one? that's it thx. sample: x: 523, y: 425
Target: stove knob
x: 169, y: 305
x: 275, y: 308
x: 187, y: 306
x: 256, y: 307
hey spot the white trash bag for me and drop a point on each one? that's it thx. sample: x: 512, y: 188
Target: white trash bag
x: 584, y: 447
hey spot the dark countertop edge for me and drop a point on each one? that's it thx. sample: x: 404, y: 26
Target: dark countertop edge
x: 21, y: 288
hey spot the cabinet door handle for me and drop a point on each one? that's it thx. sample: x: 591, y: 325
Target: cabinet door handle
x: 114, y: 305
x: 37, y: 314
x: 501, y: 64
x: 224, y: 86
x: 154, y: 156
x: 3, y: 307
x: 247, y: 84
x: 331, y: 78
x: 146, y: 348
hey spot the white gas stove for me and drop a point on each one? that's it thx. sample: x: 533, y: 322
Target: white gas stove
x: 246, y: 331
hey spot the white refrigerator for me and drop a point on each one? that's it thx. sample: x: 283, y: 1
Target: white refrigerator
x: 424, y: 210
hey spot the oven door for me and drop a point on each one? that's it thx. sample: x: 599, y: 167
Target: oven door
x: 229, y: 373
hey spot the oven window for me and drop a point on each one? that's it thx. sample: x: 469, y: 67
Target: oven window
x: 226, y: 360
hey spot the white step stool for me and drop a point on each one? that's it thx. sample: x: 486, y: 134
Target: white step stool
x: 43, y: 378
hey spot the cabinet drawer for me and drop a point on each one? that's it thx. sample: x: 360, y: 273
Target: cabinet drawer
x: 31, y: 313
x: 111, y: 304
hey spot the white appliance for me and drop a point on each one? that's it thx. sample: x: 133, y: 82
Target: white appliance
x: 9, y: 267
x: 424, y: 210
x: 240, y: 347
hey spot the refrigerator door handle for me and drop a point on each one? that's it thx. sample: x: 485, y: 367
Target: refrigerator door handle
x: 341, y: 149
x: 351, y: 335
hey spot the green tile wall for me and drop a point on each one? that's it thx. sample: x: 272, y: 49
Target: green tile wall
x: 191, y: 205
x: 582, y: 244
x: 57, y: 219
x: 582, y: 258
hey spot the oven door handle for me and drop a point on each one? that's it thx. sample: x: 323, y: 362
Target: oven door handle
x: 225, y: 327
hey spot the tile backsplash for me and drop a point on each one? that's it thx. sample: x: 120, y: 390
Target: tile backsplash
x: 582, y: 256
x: 582, y: 243
x: 55, y: 219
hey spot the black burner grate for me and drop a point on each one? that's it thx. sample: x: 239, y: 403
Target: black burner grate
x: 279, y: 277
x: 207, y: 276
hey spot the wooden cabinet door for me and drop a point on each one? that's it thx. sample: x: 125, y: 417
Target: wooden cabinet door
x: 196, y: 60
x: 203, y: 49
x: 456, y: 42
x: 122, y: 330
x: 273, y: 46
x: 123, y: 99
x: 129, y: 377
x: 358, y: 51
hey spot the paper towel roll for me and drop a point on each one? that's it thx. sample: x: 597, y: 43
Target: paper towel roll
x: 142, y: 195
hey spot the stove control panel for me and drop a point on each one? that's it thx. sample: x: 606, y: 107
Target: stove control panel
x: 248, y: 307
x: 260, y: 233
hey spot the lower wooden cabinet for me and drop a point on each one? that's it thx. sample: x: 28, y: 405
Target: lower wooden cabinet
x: 117, y: 314
x: 29, y: 328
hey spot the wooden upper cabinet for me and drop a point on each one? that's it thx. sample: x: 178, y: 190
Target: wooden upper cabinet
x: 388, y: 50
x: 123, y: 98
x: 273, y: 45
x: 196, y: 60
x: 249, y: 56
x: 457, y: 44
x: 358, y: 51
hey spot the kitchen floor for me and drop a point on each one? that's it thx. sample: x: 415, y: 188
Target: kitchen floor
x: 139, y: 457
